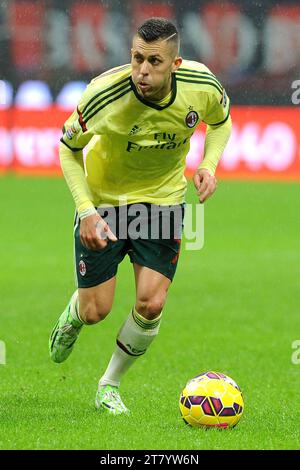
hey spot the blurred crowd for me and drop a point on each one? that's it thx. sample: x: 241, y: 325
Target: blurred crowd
x: 253, y: 47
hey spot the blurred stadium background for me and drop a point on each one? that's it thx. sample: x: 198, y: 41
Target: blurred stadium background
x: 234, y: 305
x: 50, y: 49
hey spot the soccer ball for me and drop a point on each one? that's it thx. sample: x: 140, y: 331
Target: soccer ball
x: 211, y: 399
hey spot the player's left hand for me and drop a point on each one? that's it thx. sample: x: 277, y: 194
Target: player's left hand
x: 205, y: 184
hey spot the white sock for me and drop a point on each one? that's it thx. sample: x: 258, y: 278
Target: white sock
x: 74, y: 311
x: 133, y: 339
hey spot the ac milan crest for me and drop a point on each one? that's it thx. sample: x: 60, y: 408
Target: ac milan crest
x: 82, y: 267
x: 191, y: 119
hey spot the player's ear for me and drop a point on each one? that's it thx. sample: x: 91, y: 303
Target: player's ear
x: 176, y: 64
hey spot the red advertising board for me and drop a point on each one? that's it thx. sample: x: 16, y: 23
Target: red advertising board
x: 30, y: 140
x: 265, y: 143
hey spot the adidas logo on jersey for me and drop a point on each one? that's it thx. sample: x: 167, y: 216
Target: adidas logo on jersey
x: 135, y: 130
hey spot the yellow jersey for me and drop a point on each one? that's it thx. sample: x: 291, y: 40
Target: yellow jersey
x: 136, y: 148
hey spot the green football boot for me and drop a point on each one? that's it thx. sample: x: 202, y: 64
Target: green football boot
x: 63, y: 336
x: 108, y: 399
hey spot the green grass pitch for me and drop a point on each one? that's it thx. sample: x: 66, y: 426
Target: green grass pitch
x: 233, y: 307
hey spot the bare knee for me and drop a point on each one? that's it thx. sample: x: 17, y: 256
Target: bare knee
x: 150, y: 308
x: 93, y: 312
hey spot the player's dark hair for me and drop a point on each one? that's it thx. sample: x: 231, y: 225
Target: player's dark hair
x: 157, y: 28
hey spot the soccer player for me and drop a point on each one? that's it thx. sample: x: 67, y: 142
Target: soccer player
x: 136, y: 121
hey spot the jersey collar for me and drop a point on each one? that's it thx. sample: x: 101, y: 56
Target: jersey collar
x: 152, y: 104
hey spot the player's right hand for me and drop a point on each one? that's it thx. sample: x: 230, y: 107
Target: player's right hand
x: 95, y: 232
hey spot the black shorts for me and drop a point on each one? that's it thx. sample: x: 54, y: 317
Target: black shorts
x: 148, y: 233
